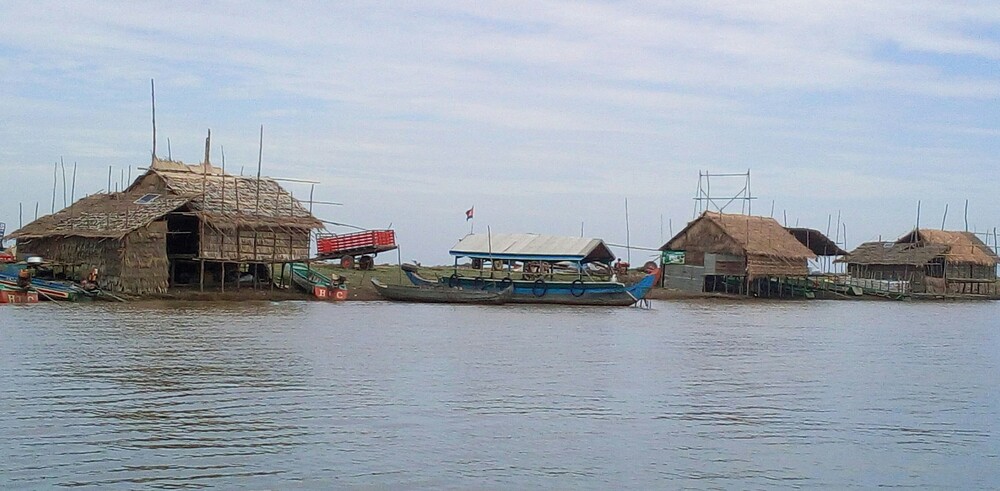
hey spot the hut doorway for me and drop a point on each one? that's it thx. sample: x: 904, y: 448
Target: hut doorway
x: 183, y: 238
x: 182, y: 235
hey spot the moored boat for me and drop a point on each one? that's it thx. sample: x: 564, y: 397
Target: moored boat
x: 576, y: 292
x: 528, y: 264
x: 46, y: 289
x: 437, y: 293
x: 318, y: 284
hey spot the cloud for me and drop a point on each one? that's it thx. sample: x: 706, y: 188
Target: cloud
x: 549, y: 109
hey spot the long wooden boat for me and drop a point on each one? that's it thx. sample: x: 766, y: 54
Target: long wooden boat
x: 576, y: 292
x: 317, y: 284
x: 441, y: 294
x: 17, y: 295
x: 47, y: 290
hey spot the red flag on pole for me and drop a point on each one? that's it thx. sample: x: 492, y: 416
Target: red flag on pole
x: 468, y: 213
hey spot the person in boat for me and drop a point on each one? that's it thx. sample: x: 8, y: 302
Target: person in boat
x: 24, y: 278
x: 90, y: 282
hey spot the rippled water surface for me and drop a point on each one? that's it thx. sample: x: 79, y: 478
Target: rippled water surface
x: 311, y: 395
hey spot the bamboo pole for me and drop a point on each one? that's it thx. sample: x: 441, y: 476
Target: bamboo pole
x: 628, y: 243
x: 55, y: 178
x: 72, y: 190
x: 152, y: 95
x: 966, y: 215
x: 63, y: 164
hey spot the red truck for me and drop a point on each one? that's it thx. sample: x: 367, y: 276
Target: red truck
x: 355, y: 248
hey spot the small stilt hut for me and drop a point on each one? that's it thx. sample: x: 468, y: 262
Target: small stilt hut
x: 928, y: 261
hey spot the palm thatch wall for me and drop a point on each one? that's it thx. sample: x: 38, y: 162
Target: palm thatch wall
x: 135, y: 263
x: 145, y: 268
x: 254, y: 245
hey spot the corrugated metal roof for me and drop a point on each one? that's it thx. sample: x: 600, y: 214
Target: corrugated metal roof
x: 532, y: 247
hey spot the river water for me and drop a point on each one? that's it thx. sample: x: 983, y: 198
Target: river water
x: 307, y: 395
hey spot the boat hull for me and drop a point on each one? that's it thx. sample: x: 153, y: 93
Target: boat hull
x: 436, y: 293
x: 18, y: 296
x: 47, y: 290
x: 550, y: 292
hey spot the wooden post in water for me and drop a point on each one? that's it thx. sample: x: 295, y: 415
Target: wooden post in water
x: 204, y: 207
x: 312, y: 188
x: 222, y: 211
x: 256, y: 231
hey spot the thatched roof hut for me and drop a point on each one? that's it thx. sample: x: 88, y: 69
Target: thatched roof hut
x: 171, y: 218
x: 935, y: 260
x: 761, y: 244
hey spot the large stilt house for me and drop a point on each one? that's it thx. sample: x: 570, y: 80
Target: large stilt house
x: 729, y: 252
x: 175, y: 225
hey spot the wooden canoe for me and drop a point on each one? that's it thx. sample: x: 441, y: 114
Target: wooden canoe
x: 439, y: 294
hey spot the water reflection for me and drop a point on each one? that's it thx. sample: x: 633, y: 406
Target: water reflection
x: 310, y: 395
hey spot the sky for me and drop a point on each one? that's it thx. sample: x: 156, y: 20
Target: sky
x: 545, y: 116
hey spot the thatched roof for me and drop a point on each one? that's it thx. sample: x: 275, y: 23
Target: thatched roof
x: 227, y: 201
x: 893, y: 253
x: 224, y: 201
x: 101, y: 216
x: 963, y: 247
x: 741, y: 235
x: 921, y: 246
x: 820, y: 244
